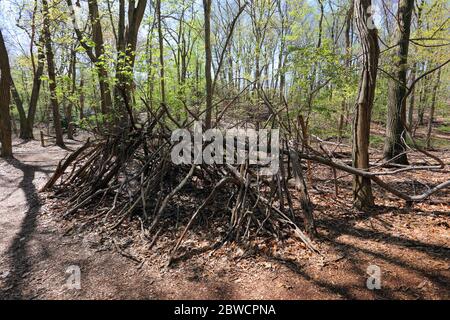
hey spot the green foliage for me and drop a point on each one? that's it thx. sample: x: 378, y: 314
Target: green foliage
x: 319, y: 85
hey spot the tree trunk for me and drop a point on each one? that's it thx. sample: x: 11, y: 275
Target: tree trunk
x: 423, y: 101
x: 126, y: 52
x: 52, y: 76
x: 5, y: 99
x: 362, y: 189
x: 19, y: 104
x: 161, y: 54
x: 13, y: 124
x: 27, y: 132
x: 412, y: 98
x: 394, y: 147
x: 282, y: 55
x: 348, y: 45
x: 208, y: 63
x: 98, y: 58
x: 27, y: 122
x: 97, y: 33
x: 81, y: 93
x: 433, y: 109
x: 73, y: 75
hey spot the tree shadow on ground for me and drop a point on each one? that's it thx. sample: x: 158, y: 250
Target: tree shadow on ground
x: 394, y: 250
x: 18, y: 252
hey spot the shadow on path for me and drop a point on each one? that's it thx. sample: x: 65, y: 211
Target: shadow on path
x: 18, y: 252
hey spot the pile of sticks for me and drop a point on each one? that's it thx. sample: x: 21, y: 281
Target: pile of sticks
x: 130, y: 174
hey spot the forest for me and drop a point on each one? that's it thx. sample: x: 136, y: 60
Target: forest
x: 232, y: 149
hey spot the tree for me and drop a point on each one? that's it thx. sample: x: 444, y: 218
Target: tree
x: 348, y: 45
x: 126, y: 55
x: 161, y: 55
x: 394, y: 147
x: 412, y: 99
x: 71, y: 88
x: 362, y: 189
x: 5, y: 97
x: 27, y: 132
x: 208, y: 63
x: 27, y: 118
x: 97, y: 36
x: 52, y: 75
x: 97, y: 57
x: 433, y: 108
x: 282, y: 54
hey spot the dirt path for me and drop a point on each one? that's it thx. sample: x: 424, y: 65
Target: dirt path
x: 34, y: 254
x: 411, y: 248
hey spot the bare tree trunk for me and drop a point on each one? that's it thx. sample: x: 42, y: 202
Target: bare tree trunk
x: 161, y: 54
x: 98, y: 57
x: 282, y: 54
x: 106, y: 102
x: 52, y: 76
x: 394, y: 147
x: 27, y: 132
x: 362, y: 189
x: 433, y: 109
x: 423, y: 101
x: 81, y: 92
x: 150, y: 73
x: 5, y: 99
x: 348, y: 44
x: 208, y: 63
x: 13, y: 124
x: 73, y: 74
x: 19, y: 104
x: 412, y: 98
x: 126, y: 51
x: 230, y: 72
x: 27, y: 122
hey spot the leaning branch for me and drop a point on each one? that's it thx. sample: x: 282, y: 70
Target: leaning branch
x: 375, y: 178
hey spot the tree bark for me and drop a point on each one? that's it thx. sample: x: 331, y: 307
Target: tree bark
x: 5, y: 99
x: 126, y: 51
x: 27, y: 122
x: 27, y: 132
x: 52, y: 76
x: 72, y: 89
x: 82, y: 98
x: 282, y: 53
x: 19, y: 104
x: 97, y: 33
x: 161, y: 54
x: 362, y: 188
x: 208, y: 63
x: 433, y: 109
x: 412, y: 98
x: 394, y: 147
x: 97, y: 58
x: 348, y: 45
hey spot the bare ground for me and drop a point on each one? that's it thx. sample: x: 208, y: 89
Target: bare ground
x: 411, y: 246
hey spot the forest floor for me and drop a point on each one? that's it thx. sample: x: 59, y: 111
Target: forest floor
x: 411, y: 246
